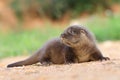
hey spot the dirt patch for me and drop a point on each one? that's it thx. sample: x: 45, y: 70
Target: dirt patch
x: 105, y: 70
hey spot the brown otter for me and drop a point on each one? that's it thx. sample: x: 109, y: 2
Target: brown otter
x: 82, y: 43
x: 53, y: 51
x: 76, y: 44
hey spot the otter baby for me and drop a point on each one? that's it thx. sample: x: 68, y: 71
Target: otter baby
x: 82, y: 43
x: 75, y: 45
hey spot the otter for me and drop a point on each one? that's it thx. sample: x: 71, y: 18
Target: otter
x: 75, y: 45
x: 83, y: 44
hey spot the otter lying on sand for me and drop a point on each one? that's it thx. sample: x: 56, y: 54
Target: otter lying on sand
x: 75, y: 45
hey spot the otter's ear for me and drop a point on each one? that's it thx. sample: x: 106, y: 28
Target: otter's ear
x: 82, y: 31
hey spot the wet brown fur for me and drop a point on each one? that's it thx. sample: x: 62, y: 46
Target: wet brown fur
x: 82, y: 43
x: 75, y: 45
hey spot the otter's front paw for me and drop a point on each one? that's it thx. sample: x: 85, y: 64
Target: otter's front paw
x: 104, y: 58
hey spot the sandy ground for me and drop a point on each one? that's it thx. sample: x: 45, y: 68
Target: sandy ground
x: 105, y: 70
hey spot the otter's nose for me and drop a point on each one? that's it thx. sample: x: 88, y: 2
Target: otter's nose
x: 63, y: 35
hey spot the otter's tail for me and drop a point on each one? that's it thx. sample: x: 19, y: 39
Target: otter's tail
x: 31, y: 60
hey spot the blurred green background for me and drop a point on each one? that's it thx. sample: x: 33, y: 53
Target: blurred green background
x: 25, y: 25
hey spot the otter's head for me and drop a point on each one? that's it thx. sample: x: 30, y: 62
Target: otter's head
x: 74, y: 35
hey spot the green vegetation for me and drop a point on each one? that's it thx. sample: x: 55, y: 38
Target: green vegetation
x: 55, y: 9
x: 105, y: 28
x: 25, y: 42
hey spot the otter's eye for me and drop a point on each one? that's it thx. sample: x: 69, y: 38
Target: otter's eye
x: 82, y: 31
x: 73, y: 32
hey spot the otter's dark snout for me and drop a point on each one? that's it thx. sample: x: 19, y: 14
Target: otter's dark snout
x: 66, y: 36
x: 63, y: 35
